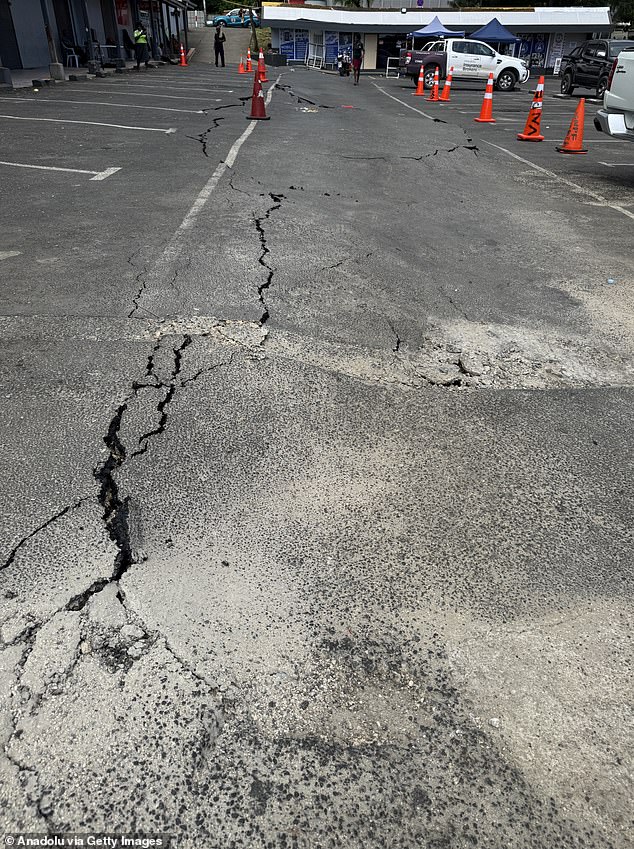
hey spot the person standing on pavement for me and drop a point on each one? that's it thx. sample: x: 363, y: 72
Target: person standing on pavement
x: 219, y: 45
x: 141, y: 52
x: 358, y: 52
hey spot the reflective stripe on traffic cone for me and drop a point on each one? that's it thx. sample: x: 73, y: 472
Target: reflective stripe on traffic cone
x: 573, y: 143
x: 434, y: 92
x: 444, y: 97
x: 262, y: 68
x: 241, y: 69
x: 258, y: 112
x: 420, y: 86
x: 531, y: 130
x: 486, y: 110
x: 183, y: 61
x: 249, y: 67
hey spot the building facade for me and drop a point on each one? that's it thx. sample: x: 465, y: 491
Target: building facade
x: 316, y: 34
x: 34, y: 33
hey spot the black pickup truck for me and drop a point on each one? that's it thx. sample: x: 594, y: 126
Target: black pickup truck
x: 588, y: 65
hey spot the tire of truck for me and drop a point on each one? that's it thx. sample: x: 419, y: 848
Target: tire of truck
x: 601, y: 87
x: 566, y: 86
x: 414, y: 79
x: 506, y: 80
x: 430, y: 71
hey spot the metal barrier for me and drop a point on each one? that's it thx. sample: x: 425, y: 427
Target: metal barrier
x: 389, y: 67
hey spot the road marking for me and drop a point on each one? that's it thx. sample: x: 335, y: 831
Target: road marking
x: 53, y: 101
x: 103, y: 175
x: 9, y: 254
x: 181, y: 87
x: 172, y: 249
x: 203, y: 196
x: 147, y: 94
x: 98, y: 175
x: 618, y: 164
x: 603, y: 201
x: 89, y: 123
x: 402, y: 102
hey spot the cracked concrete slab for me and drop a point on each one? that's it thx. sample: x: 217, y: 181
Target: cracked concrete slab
x: 318, y: 531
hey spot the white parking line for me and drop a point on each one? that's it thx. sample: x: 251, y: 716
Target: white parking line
x: 89, y: 123
x: 147, y: 94
x: 603, y: 201
x: 181, y: 87
x: 618, y: 164
x: 9, y: 254
x: 53, y: 101
x: 98, y: 175
x: 402, y: 102
x: 172, y: 250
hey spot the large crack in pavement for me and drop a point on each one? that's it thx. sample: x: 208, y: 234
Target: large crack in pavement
x: 259, y: 226
x: 116, y: 508
x: 472, y: 147
x: 287, y: 89
x: 203, y: 137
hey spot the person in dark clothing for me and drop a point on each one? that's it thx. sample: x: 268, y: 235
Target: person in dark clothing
x: 141, y: 52
x: 219, y: 45
x: 358, y: 52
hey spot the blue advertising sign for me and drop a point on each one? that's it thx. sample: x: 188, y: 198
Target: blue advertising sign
x: 287, y: 43
x: 331, y: 47
x: 301, y: 44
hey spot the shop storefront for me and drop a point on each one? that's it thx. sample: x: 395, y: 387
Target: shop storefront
x: 87, y: 31
x: 306, y: 33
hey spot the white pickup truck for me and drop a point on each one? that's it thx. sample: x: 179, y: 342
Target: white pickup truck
x: 617, y: 116
x: 470, y: 59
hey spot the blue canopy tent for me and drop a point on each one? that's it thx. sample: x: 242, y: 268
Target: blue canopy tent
x: 495, y: 33
x: 435, y: 30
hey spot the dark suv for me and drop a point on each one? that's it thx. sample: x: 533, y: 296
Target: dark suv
x: 589, y: 65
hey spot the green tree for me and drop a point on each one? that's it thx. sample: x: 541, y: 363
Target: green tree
x: 623, y: 12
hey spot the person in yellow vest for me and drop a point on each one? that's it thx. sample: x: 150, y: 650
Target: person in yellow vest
x: 141, y: 52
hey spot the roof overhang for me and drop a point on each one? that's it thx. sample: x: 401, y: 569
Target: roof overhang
x: 568, y: 19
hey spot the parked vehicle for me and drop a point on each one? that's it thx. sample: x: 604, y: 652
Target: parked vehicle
x: 617, y: 116
x: 588, y: 65
x: 235, y: 19
x: 471, y: 60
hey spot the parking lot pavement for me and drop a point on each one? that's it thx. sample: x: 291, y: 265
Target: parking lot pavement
x: 97, y: 163
x: 607, y: 168
x: 316, y: 518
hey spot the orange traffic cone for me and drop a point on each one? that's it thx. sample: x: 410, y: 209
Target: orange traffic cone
x: 249, y: 67
x: 262, y: 68
x: 420, y: 86
x: 183, y: 61
x: 531, y: 130
x: 434, y: 91
x: 444, y: 97
x: 486, y: 111
x: 573, y: 143
x: 258, y: 112
x: 241, y: 69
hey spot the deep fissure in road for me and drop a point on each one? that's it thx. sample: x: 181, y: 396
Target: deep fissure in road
x: 259, y: 226
x: 115, y: 508
x: 164, y: 403
x: 202, y: 138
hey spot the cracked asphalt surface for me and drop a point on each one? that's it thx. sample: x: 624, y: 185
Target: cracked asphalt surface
x: 317, y: 503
